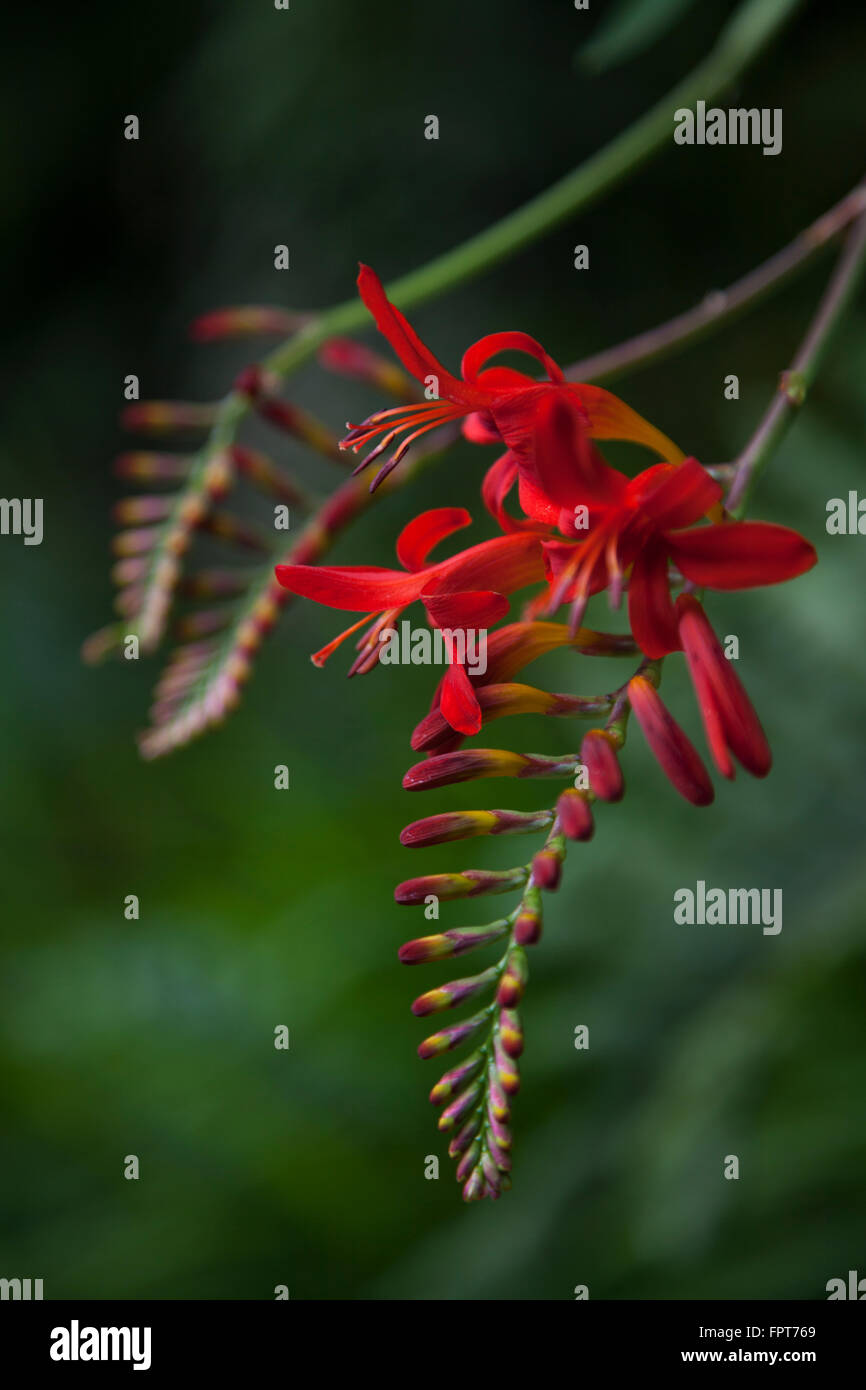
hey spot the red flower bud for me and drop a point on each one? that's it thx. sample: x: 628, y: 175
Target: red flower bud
x: 575, y: 816
x: 729, y: 718
x: 468, y: 884
x: 514, y: 978
x: 675, y: 753
x: 598, y: 752
x: 546, y: 870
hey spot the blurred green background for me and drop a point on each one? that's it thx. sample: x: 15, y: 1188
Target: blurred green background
x: 258, y: 907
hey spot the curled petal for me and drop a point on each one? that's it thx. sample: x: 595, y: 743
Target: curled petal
x: 490, y: 346
x: 498, y: 482
x: 424, y: 532
x: 412, y: 352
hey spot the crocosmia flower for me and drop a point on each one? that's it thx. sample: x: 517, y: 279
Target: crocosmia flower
x: 497, y: 404
x: 641, y: 525
x: 467, y: 591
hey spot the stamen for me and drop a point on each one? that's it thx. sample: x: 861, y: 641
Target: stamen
x: 320, y: 657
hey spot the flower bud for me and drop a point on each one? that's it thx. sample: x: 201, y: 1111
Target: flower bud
x: 165, y: 417
x: 245, y: 321
x: 729, y: 718
x: 574, y: 815
x: 461, y: 1141
x: 598, y: 753
x: 454, y: 993
x: 465, y: 765
x: 468, y: 884
x: 464, y: 825
x: 675, y: 753
x: 352, y: 359
x: 514, y: 978
x: 546, y: 870
x: 455, y: 942
x: 511, y: 1032
x: 468, y: 1161
x: 529, y: 920
x: 461, y: 1106
x: 448, y: 1038
x: 450, y: 1083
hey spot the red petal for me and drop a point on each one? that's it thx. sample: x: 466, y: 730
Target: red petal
x: 479, y: 428
x: 419, y: 537
x: 494, y: 343
x: 740, y: 554
x: 358, y: 588
x: 536, y: 503
x: 476, y: 608
x: 459, y: 703
x: 674, y: 496
x: 412, y: 352
x: 650, y: 609
x: 565, y: 465
x: 505, y: 563
x: 498, y: 482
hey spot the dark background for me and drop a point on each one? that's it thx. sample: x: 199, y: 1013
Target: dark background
x: 258, y: 908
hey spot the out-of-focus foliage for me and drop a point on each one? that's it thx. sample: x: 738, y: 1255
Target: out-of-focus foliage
x: 261, y: 907
x: 628, y: 28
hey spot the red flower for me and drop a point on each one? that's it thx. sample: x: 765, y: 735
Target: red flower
x: 639, y: 523
x: 497, y: 404
x: 467, y: 591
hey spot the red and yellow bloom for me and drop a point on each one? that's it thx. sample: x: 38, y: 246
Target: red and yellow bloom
x: 640, y: 526
x: 497, y: 404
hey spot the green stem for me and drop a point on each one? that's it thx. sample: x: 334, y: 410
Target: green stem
x: 720, y: 306
x: 751, y: 28
x: 794, y: 384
